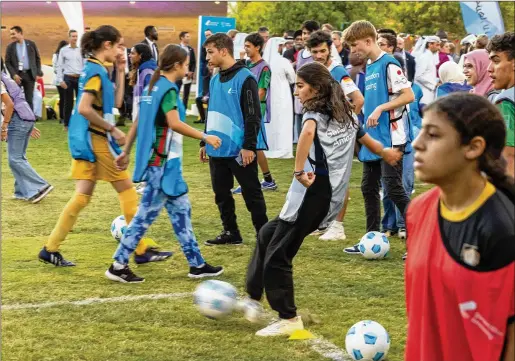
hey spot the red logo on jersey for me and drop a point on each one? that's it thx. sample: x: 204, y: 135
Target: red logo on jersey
x: 399, y: 72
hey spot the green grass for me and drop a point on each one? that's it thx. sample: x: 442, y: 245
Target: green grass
x: 339, y: 289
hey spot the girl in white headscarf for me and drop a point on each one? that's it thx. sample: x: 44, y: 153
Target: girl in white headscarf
x: 452, y: 78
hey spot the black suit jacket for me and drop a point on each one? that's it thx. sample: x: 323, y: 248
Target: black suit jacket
x: 144, y: 41
x: 193, y: 60
x: 11, y: 59
x: 410, y: 66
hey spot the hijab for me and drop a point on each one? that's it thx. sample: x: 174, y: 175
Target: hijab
x: 481, y: 61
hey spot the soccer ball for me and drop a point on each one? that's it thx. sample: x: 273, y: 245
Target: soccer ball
x: 367, y: 341
x: 118, y: 228
x: 374, y: 245
x: 215, y: 299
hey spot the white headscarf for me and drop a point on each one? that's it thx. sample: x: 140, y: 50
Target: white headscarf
x: 421, y: 44
x: 450, y: 72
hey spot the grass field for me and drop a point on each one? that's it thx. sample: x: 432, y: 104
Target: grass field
x: 339, y: 289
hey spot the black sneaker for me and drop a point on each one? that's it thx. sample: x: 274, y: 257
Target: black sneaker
x: 54, y: 258
x: 226, y: 237
x: 41, y: 194
x: 205, y: 271
x: 123, y: 275
x: 352, y: 250
x: 152, y: 255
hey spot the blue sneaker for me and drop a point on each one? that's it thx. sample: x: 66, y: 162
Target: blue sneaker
x: 152, y: 255
x: 54, y: 258
x: 268, y: 186
x: 237, y: 190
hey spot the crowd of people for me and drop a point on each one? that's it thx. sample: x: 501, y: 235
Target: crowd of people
x: 357, y: 93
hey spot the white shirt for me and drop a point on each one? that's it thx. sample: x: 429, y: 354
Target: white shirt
x: 70, y: 61
x: 396, y: 81
x: 152, y: 48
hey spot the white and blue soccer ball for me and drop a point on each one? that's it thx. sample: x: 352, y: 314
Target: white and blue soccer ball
x: 118, y: 228
x: 367, y: 341
x: 215, y: 299
x: 374, y: 245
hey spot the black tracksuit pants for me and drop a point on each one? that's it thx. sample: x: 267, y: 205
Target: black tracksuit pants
x: 223, y: 171
x: 373, y: 172
x: 270, y: 269
x: 70, y: 94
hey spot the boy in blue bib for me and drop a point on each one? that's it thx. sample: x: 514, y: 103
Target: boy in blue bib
x: 387, y: 92
x: 234, y: 115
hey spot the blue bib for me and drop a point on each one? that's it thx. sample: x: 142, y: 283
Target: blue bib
x: 414, y: 107
x: 338, y: 73
x: 79, y: 137
x: 376, y: 93
x: 172, y: 182
x: 224, y: 117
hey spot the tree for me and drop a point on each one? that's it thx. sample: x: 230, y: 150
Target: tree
x: 423, y: 18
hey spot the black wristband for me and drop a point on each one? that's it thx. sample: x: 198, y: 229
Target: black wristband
x: 299, y: 173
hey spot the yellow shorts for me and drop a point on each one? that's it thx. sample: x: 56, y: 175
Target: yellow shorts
x: 102, y: 169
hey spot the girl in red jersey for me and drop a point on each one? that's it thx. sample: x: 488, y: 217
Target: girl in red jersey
x: 460, y: 272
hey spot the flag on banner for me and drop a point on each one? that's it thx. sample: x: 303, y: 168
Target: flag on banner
x: 482, y: 17
x: 72, y: 12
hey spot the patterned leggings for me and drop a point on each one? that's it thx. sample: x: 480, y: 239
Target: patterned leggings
x: 152, y: 202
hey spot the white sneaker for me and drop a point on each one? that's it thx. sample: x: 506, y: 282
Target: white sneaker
x: 141, y: 187
x: 282, y: 328
x: 402, y: 233
x: 335, y: 232
x: 253, y: 311
x: 318, y: 232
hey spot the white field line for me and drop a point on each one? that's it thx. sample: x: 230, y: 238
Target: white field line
x: 90, y: 301
x: 319, y: 344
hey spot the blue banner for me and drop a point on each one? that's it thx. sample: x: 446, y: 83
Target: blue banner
x: 482, y: 17
x: 216, y: 25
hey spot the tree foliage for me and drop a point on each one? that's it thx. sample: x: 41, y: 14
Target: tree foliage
x: 402, y: 16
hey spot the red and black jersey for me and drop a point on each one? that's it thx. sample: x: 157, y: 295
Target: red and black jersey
x: 460, y: 279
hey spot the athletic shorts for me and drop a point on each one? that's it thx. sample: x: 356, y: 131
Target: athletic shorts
x: 102, y: 169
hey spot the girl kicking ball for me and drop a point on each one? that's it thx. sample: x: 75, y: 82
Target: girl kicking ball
x: 321, y: 177
x: 159, y: 163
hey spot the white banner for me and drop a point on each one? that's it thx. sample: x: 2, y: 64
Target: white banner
x: 72, y: 12
x: 482, y: 17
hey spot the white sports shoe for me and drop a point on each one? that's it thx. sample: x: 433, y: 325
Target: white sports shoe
x: 402, y: 233
x: 282, y: 328
x: 252, y: 310
x: 335, y: 232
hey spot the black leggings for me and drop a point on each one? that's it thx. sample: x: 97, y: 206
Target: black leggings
x: 278, y: 242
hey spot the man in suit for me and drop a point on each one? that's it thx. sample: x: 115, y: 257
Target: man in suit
x: 409, y: 60
x: 184, y: 38
x: 151, y: 37
x: 23, y: 62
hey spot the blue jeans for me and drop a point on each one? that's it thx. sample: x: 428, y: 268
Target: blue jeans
x: 27, y: 182
x: 151, y: 204
x: 392, y: 219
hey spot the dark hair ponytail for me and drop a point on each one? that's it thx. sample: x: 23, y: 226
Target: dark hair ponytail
x: 474, y: 116
x: 170, y: 56
x: 93, y: 40
x: 330, y: 98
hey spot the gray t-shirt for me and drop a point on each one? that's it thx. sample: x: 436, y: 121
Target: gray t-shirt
x: 336, y: 143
